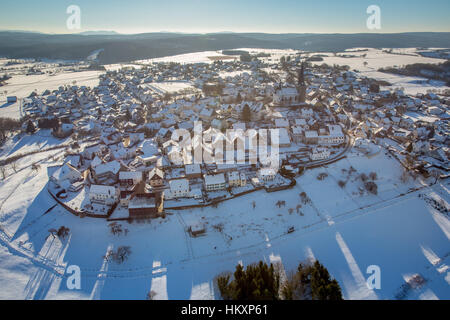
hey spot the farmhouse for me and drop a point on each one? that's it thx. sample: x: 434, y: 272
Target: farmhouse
x: 297, y: 134
x: 215, y: 182
x: 284, y: 140
x: 236, y: 179
x: 146, y: 205
x: 156, y: 177
x: 65, y: 173
x: 148, y: 153
x: 103, y: 194
x: 125, y: 196
x: 129, y: 178
x: 286, y: 97
x: 281, y: 123
x: 266, y: 174
x: 311, y: 137
x: 193, y: 171
x: 91, y: 152
x: 107, y: 172
x: 334, y: 136
x: 179, y: 188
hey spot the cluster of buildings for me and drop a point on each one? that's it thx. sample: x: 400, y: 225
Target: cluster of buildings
x: 128, y: 157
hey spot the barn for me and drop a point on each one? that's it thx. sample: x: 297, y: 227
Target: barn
x: 146, y: 205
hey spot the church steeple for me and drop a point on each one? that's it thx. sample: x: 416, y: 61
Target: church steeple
x: 301, y: 83
x: 301, y: 75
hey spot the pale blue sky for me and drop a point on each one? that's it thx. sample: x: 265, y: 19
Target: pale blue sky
x: 282, y: 16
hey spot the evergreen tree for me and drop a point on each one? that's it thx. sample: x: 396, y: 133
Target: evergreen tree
x: 431, y: 133
x: 256, y: 282
x: 409, y: 149
x: 128, y: 115
x: 312, y: 282
x: 301, y: 75
x: 238, y: 98
x: 30, y: 127
x: 246, y: 113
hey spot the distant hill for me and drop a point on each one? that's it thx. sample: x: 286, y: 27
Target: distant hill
x: 122, y: 48
x: 98, y: 33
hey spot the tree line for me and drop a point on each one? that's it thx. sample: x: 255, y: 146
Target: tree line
x: 311, y: 281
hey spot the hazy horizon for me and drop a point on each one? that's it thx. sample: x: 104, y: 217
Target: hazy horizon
x: 200, y: 16
x: 215, y: 32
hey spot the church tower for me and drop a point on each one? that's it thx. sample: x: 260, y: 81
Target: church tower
x: 301, y: 84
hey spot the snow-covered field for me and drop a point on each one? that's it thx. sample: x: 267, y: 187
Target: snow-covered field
x: 170, y: 86
x: 194, y: 57
x: 346, y: 231
x: 376, y: 59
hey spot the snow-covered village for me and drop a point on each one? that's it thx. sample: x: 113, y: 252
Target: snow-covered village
x: 157, y: 178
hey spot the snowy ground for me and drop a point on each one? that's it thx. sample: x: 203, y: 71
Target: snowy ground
x: 377, y: 59
x: 346, y: 231
x: 194, y: 57
x: 170, y: 86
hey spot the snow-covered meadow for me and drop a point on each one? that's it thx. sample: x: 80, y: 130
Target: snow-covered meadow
x: 348, y: 232
x: 368, y: 62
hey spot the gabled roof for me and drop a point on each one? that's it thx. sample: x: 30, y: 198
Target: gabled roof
x: 65, y: 169
x: 125, y: 175
x: 214, y: 179
x: 113, y: 167
x: 156, y: 173
x: 100, y: 189
x: 179, y: 184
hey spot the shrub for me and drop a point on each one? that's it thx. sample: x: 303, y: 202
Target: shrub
x: 373, y: 176
x: 371, y: 187
x: 62, y: 232
x: 121, y: 255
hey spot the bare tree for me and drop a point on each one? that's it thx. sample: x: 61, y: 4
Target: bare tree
x: 115, y: 228
x: 151, y: 295
x: 436, y: 174
x: 371, y: 187
x: 53, y: 232
x: 35, y: 166
x: 119, y: 256
x: 363, y: 177
x: 123, y: 253
x: 63, y: 232
x: 3, y: 172
x: 405, y: 176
